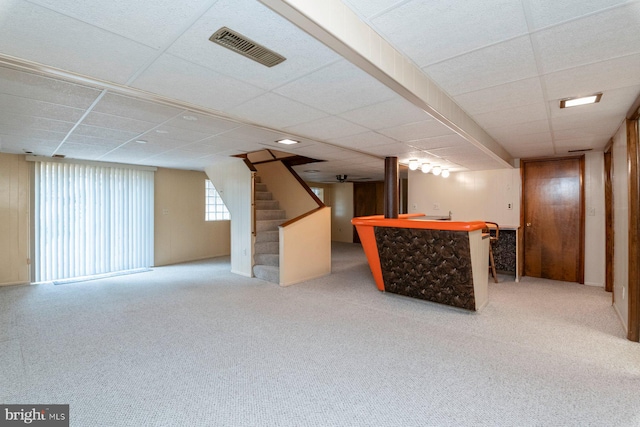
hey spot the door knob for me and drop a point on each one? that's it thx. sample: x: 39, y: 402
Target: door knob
x: 528, y: 224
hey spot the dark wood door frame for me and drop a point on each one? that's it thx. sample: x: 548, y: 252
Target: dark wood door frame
x: 580, y: 272
x: 608, y: 220
x: 633, y: 162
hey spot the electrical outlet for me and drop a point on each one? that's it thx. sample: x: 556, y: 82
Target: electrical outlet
x: 165, y: 211
x: 510, y: 206
x: 592, y: 211
x: 415, y: 206
x: 436, y: 206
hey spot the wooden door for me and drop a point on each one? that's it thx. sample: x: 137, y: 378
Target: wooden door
x: 553, y: 210
x: 368, y: 199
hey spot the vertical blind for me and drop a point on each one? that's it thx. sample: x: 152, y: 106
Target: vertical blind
x: 91, y: 219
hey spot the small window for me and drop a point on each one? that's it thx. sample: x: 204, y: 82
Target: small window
x: 215, y: 209
x: 318, y: 191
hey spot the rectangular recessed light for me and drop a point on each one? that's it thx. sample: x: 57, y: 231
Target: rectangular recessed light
x: 574, y: 102
x: 287, y: 141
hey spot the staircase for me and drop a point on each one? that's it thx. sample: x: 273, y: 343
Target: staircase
x: 266, y: 250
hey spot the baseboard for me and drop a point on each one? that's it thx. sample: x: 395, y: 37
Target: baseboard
x: 14, y: 283
x: 598, y: 285
x: 624, y: 324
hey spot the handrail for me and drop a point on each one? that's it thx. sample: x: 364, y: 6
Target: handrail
x: 304, y: 185
x: 299, y: 217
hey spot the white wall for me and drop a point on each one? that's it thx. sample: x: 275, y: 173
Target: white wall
x: 620, y: 186
x: 470, y: 196
x: 594, y: 239
x: 342, y: 212
x: 232, y: 179
x: 181, y: 232
x: 15, y: 185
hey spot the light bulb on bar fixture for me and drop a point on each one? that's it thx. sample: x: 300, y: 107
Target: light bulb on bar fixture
x: 413, y: 164
x: 426, y: 167
x: 436, y: 170
x: 445, y: 173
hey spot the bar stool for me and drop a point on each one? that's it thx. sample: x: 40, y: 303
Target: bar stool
x: 494, y: 232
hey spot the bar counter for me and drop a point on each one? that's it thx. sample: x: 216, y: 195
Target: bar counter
x: 440, y: 261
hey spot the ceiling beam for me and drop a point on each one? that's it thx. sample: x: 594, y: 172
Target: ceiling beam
x: 338, y: 27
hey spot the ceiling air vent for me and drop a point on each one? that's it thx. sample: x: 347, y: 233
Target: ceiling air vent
x: 244, y: 46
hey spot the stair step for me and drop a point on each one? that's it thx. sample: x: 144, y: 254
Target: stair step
x: 264, y: 214
x: 267, y: 272
x: 261, y: 187
x: 268, y: 236
x: 267, y: 204
x: 267, y: 259
x: 266, y: 248
x: 268, y: 225
x: 264, y: 195
x: 258, y: 179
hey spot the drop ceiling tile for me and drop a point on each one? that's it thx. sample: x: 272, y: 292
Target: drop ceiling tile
x: 594, y: 121
x: 495, y: 65
x: 592, y: 142
x: 83, y: 151
x: 187, y: 82
x: 253, y: 134
x: 17, y: 121
x: 38, y: 88
x: 337, y: 88
x: 440, y: 142
x: 505, y: 96
x: 10, y: 104
x: 176, y: 134
x: 367, y: 8
x: 161, y: 20
x: 303, y: 53
x: 585, y: 80
x: 133, y: 108
x: 516, y: 139
x: 117, y: 122
x: 276, y: 111
x: 595, y: 38
x: 326, y: 128
x: 203, y: 123
x: 19, y: 144
x: 417, y: 131
x: 544, y: 13
x: 77, y: 46
x: 21, y: 131
x: 397, y: 149
x: 92, y: 140
x: 387, y: 114
x: 362, y: 140
x: 506, y: 132
x: 454, y: 31
x: 103, y: 133
x: 221, y: 143
x: 512, y: 116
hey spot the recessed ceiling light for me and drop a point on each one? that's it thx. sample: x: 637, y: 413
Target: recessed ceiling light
x: 287, y: 141
x: 141, y: 141
x: 161, y: 131
x: 312, y: 171
x: 190, y: 118
x: 574, y: 102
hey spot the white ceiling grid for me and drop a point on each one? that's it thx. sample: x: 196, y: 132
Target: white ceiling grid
x: 506, y: 63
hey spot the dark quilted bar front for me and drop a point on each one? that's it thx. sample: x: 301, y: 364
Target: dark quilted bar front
x: 433, y: 265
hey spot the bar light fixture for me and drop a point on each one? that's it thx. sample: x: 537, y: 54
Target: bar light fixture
x: 584, y: 100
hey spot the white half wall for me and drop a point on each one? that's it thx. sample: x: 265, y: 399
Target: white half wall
x: 232, y: 179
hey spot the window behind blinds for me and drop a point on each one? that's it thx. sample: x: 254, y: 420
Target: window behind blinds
x: 91, y: 219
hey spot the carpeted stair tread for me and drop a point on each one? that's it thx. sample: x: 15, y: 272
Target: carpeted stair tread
x: 267, y: 259
x: 268, y: 236
x: 264, y: 195
x: 267, y: 204
x: 266, y: 214
x: 267, y: 272
x: 268, y: 225
x: 267, y: 248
